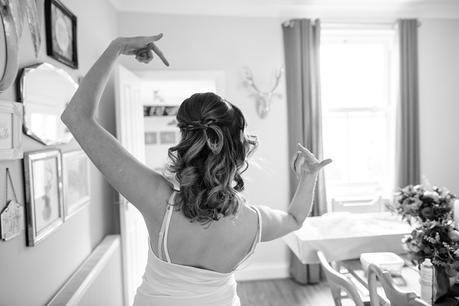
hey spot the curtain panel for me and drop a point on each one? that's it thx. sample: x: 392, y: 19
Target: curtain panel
x: 407, y: 146
x: 301, y: 46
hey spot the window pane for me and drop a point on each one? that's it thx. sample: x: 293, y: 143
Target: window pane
x: 357, y: 73
x: 357, y: 116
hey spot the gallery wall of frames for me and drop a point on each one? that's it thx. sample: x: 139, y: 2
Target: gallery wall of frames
x: 55, y: 177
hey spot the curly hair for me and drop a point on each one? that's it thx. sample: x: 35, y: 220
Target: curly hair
x: 210, y: 157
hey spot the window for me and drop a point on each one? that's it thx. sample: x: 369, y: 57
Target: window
x: 357, y: 79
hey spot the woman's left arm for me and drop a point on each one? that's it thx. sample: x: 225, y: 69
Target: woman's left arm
x: 136, y: 182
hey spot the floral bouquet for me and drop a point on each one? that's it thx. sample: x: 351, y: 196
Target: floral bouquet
x: 418, y: 204
x: 429, y: 211
x: 436, y: 241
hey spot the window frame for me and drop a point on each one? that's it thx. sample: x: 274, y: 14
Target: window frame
x: 362, y: 34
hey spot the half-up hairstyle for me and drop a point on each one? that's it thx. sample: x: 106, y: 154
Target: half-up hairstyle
x: 210, y: 157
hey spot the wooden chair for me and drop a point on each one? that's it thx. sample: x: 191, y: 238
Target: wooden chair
x: 396, y: 297
x: 337, y: 281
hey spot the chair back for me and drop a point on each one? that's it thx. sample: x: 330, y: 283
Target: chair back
x: 396, y: 297
x: 337, y: 281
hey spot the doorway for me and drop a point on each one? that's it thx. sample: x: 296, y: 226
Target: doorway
x: 146, y: 105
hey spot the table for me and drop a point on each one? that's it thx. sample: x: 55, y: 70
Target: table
x: 345, y: 235
x: 408, y: 281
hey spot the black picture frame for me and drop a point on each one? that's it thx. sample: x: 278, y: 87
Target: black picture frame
x: 67, y: 21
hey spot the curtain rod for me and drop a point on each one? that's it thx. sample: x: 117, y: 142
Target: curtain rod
x: 331, y: 23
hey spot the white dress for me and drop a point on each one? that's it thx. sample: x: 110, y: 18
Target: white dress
x: 169, y: 284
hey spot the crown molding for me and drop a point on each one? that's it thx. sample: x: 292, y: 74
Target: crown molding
x: 441, y: 9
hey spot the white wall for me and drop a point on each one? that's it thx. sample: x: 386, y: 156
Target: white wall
x: 32, y: 275
x: 228, y: 44
x: 439, y: 101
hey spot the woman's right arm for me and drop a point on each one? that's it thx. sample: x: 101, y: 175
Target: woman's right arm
x: 134, y: 180
x: 278, y: 223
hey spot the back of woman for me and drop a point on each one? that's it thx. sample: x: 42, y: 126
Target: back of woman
x: 207, y: 229
x: 196, y: 263
x: 200, y: 227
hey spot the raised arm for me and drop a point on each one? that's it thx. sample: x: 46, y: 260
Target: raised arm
x: 277, y: 223
x: 135, y: 181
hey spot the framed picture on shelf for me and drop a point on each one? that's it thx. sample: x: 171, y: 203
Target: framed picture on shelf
x: 43, y: 190
x: 61, y: 33
x: 160, y: 110
x: 76, y: 182
x: 10, y: 130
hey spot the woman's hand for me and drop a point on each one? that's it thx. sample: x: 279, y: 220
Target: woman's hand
x: 304, y: 162
x: 142, y: 47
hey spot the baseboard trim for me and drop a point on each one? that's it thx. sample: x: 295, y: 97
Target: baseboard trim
x: 263, y: 271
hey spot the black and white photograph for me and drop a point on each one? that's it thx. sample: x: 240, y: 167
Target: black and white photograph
x: 76, y: 182
x: 11, y: 116
x: 43, y: 187
x: 229, y: 153
x: 61, y: 33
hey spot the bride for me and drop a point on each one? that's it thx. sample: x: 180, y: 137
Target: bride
x: 200, y: 227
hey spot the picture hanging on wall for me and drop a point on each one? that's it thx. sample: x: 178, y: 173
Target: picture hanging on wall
x: 11, y: 217
x: 151, y: 138
x: 76, y: 182
x: 43, y: 189
x: 10, y: 130
x: 61, y: 33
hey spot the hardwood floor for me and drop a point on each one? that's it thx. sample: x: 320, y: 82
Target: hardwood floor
x: 283, y: 292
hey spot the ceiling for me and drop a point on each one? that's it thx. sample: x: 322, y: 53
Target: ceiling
x: 297, y: 8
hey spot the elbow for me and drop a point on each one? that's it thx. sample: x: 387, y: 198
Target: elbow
x: 65, y: 117
x: 70, y: 117
x: 296, y: 223
x: 297, y: 226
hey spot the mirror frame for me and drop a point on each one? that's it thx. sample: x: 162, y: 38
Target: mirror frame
x: 8, y: 75
x: 20, y: 93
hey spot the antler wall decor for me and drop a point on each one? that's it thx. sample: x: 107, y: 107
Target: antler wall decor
x: 262, y: 98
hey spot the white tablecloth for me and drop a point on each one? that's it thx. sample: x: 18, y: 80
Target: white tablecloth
x: 345, y: 235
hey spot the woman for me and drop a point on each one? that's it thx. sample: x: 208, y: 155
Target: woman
x: 199, y: 226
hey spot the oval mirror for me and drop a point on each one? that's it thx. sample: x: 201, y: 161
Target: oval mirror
x: 45, y: 91
x: 8, y: 47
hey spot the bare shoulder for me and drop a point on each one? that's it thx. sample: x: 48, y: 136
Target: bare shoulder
x: 155, y: 193
x: 275, y: 223
x: 248, y: 216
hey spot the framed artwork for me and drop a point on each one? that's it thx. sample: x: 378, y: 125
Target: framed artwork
x: 167, y: 137
x: 10, y: 130
x: 160, y: 110
x: 61, y: 33
x: 151, y: 138
x: 9, y: 45
x: 76, y: 182
x: 43, y: 189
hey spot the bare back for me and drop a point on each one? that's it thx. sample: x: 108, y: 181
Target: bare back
x: 219, y: 246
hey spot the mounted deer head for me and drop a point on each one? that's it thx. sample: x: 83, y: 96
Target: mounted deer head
x: 262, y: 98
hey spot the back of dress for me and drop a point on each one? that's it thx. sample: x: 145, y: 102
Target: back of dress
x: 166, y: 283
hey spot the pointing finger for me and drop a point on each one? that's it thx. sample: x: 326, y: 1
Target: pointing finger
x: 159, y: 53
x: 156, y: 37
x: 325, y: 162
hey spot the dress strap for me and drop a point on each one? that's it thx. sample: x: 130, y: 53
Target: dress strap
x: 257, y: 237
x: 260, y: 224
x: 165, y: 228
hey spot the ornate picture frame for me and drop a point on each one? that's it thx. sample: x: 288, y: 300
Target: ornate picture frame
x: 76, y: 179
x: 61, y: 33
x: 43, y: 191
x: 9, y: 47
x: 11, y: 115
